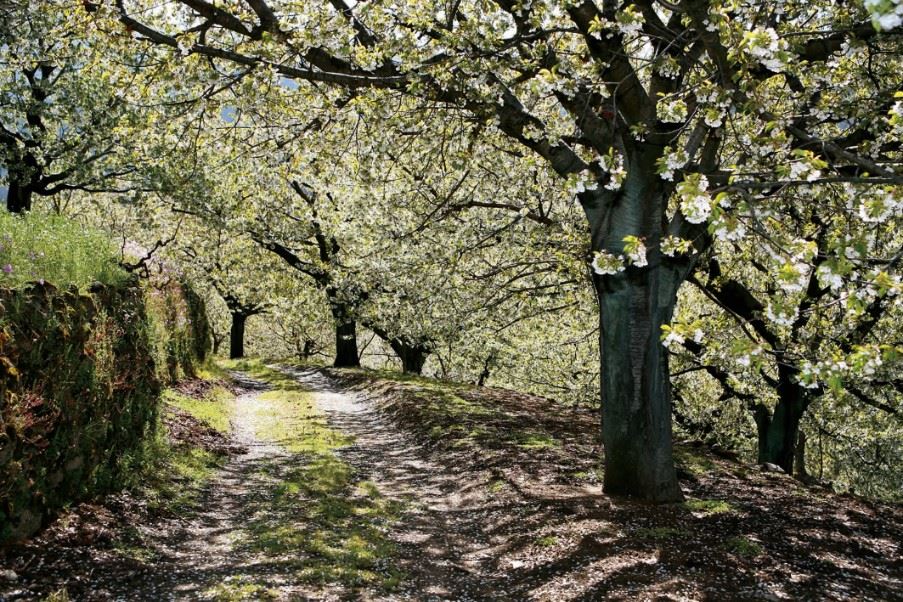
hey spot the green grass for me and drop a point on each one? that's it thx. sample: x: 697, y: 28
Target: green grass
x: 533, y: 440
x: 496, y: 486
x: 694, y: 463
x: 212, y: 410
x: 38, y: 246
x: 742, y: 546
x: 709, y: 507
x: 290, y: 419
x: 331, y: 525
x: 547, y: 542
x: 171, y: 478
x: 240, y: 590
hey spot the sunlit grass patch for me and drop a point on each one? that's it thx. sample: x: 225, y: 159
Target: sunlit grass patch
x: 547, y: 541
x: 239, y: 590
x: 533, y: 440
x: 316, y: 516
x: 289, y: 419
x: 694, y: 463
x: 745, y: 547
x: 709, y: 507
x: 213, y: 409
x: 496, y: 486
x: 259, y: 370
x: 328, y: 524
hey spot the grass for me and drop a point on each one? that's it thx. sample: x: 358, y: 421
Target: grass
x: 744, y: 547
x: 212, y: 410
x: 496, y: 486
x: 547, y: 542
x: 290, y: 419
x: 238, y: 590
x: 694, y: 463
x: 51, y: 248
x: 709, y: 507
x: 533, y: 440
x: 172, y: 477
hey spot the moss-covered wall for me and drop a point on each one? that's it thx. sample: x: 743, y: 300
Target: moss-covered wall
x: 80, y: 380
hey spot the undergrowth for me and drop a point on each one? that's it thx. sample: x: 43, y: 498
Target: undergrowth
x: 45, y: 247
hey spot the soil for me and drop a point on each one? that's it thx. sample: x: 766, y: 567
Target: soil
x: 487, y: 516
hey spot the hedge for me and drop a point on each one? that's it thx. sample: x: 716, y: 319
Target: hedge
x: 80, y: 381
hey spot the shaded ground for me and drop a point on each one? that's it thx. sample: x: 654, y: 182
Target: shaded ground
x: 367, y: 486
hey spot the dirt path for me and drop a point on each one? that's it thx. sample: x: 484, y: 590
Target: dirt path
x: 442, y: 547
x: 202, y: 560
x: 437, y: 543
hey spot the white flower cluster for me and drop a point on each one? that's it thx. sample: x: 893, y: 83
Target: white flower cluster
x: 695, y: 202
x: 606, y: 264
x: 629, y: 20
x: 800, y: 170
x: 675, y: 245
x: 886, y: 14
x: 614, y: 165
x: 668, y: 67
x: 878, y: 206
x: 747, y: 358
x: 674, y: 111
x: 635, y: 249
x: 766, y: 47
x: 582, y: 183
x: 895, y: 116
x: 671, y: 161
x: 830, y: 275
x: 780, y: 314
x: 717, y: 103
x: 793, y: 275
x: 864, y: 361
x: 674, y: 335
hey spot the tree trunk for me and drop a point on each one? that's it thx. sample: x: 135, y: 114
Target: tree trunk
x: 636, y: 388
x: 799, y: 460
x: 346, y: 345
x: 412, y: 357
x: 18, y: 198
x: 778, y: 431
x: 237, y: 336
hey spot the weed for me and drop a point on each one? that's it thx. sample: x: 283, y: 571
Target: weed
x: 37, y: 246
x: 744, y: 547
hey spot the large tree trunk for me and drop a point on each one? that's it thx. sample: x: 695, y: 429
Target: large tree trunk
x: 778, y: 430
x: 18, y: 198
x: 636, y: 388
x: 412, y: 357
x: 346, y: 355
x: 634, y: 304
x: 237, y: 336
